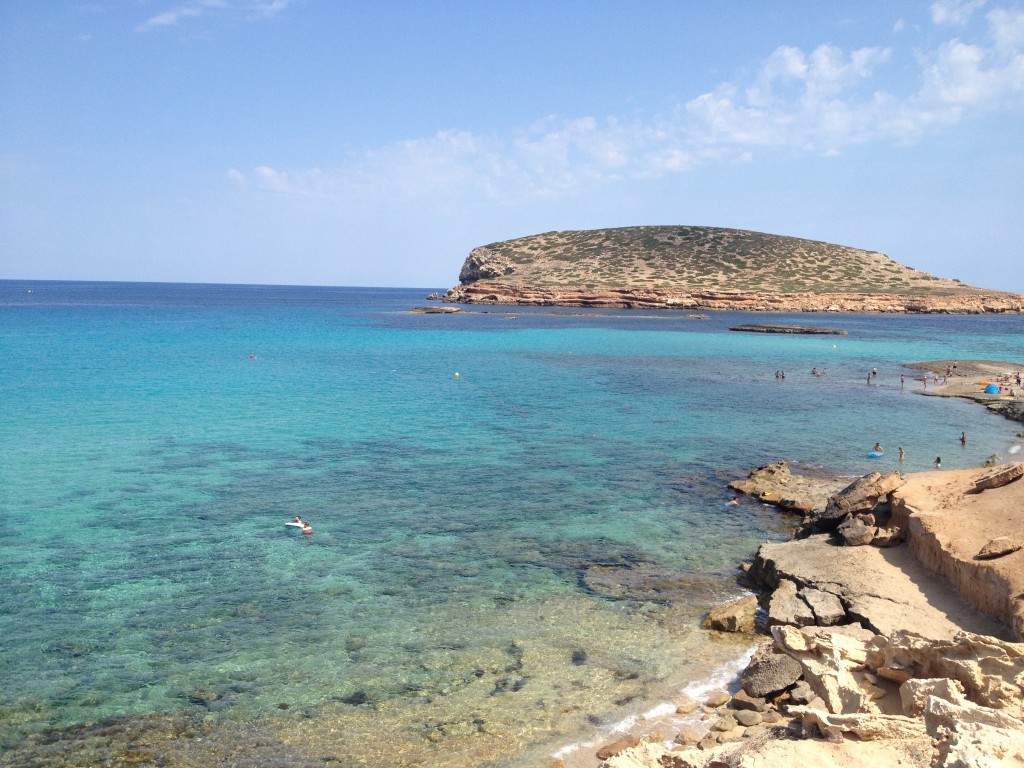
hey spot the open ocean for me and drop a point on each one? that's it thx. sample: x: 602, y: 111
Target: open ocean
x: 519, y: 516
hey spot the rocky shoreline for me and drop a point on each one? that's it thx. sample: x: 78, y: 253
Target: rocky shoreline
x: 891, y: 626
x: 872, y: 653
x: 504, y: 292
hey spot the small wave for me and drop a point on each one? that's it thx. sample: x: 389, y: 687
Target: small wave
x: 724, y: 677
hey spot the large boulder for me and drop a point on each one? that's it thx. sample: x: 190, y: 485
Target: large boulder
x: 860, y: 496
x: 734, y: 616
x: 769, y: 672
x: 855, y: 533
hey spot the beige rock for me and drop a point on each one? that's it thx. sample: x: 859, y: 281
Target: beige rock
x: 747, y: 717
x: 724, y: 723
x: 685, y: 705
x: 717, y: 698
x: 915, y: 692
x: 999, y: 476
x: 734, y: 616
x: 688, y: 735
x: 948, y: 524
x: 617, y: 746
x: 828, y: 661
x: 787, y: 607
x: 827, y: 608
x: 991, y: 671
x: 742, y: 700
x: 998, y: 547
x: 977, y: 744
x: 867, y: 726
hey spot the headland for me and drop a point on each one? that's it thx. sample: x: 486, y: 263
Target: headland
x: 708, y: 268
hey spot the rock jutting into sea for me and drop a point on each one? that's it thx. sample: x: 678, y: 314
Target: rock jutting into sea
x: 796, y: 329
x: 908, y: 655
x: 708, y: 268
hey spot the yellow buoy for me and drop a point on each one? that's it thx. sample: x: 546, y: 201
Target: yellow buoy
x: 456, y: 374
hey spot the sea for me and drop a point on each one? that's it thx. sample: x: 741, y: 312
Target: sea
x: 519, y: 514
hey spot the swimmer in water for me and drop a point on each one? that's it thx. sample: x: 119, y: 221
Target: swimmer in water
x: 878, y: 448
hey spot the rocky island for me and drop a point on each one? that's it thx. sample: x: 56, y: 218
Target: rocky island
x: 708, y: 268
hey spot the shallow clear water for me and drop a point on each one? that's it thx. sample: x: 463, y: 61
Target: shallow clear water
x: 504, y: 561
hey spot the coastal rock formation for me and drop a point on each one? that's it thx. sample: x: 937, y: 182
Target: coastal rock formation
x: 862, y: 495
x: 892, y: 667
x: 802, y: 491
x: 735, y: 616
x: 708, y: 268
x: 791, y: 329
x: 949, y: 523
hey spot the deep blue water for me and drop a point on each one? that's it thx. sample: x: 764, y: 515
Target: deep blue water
x: 492, y: 493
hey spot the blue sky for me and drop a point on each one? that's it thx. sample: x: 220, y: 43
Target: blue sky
x: 333, y: 142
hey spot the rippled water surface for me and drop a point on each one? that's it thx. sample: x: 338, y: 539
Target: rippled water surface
x: 519, y: 518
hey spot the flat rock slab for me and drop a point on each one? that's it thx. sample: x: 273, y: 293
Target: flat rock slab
x: 789, y: 487
x: 1002, y: 475
x: 763, y: 328
x: 998, y: 547
x: 885, y: 589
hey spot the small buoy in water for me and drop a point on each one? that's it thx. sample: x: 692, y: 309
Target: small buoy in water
x: 456, y: 374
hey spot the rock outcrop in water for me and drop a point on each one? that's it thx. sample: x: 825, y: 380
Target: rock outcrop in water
x: 708, y: 268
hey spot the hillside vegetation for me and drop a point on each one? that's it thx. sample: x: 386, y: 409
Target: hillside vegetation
x: 695, y: 259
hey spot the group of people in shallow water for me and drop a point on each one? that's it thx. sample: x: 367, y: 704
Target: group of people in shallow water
x: 306, y: 527
x: 878, y: 449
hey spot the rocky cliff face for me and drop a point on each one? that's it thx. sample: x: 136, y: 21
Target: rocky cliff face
x: 498, y: 292
x: 706, y: 268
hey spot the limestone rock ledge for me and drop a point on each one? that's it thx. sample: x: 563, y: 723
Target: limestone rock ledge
x: 949, y: 523
x: 495, y: 291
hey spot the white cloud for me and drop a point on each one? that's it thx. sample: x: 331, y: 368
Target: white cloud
x: 954, y: 12
x: 819, y: 101
x: 196, y: 8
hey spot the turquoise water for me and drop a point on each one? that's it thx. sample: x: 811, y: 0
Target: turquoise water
x: 504, y: 560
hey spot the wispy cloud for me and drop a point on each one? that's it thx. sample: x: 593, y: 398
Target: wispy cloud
x: 820, y: 101
x: 172, y: 16
x: 954, y: 12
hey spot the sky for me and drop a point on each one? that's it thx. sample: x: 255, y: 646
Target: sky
x: 376, y: 142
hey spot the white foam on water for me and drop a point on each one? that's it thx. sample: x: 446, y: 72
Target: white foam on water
x: 722, y: 678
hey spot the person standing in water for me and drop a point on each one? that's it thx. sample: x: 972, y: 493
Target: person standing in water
x: 903, y: 454
x: 938, y: 462
x: 963, y: 438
